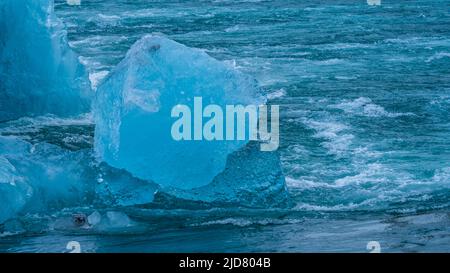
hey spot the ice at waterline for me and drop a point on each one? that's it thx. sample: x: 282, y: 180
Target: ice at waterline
x: 240, y: 122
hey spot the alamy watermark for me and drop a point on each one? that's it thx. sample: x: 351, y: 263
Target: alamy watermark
x: 234, y: 122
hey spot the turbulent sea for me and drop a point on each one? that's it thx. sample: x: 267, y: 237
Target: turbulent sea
x: 364, y: 95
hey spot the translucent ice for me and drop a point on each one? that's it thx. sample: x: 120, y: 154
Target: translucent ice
x: 14, y: 192
x: 41, y: 177
x: 46, y: 164
x: 94, y: 218
x: 119, y: 188
x: 251, y: 179
x: 39, y: 73
x: 118, y: 219
x: 133, y: 112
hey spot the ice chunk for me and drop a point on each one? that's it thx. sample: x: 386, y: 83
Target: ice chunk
x: 94, y: 218
x: 41, y: 172
x: 59, y: 178
x: 118, y: 219
x: 41, y: 177
x: 39, y: 73
x: 251, y: 179
x: 133, y: 112
x: 119, y: 188
x: 44, y: 178
x: 14, y: 191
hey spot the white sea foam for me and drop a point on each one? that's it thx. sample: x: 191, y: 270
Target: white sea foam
x: 438, y: 56
x: 338, y: 46
x: 241, y: 222
x: 340, y: 207
x: 232, y: 29
x: 365, y: 107
x: 333, y: 61
x: 346, y: 78
x: 96, y: 41
x: 97, y: 77
x: 89, y: 61
x: 108, y: 17
x: 442, y: 176
x: 420, y: 41
x: 372, y: 173
x: 276, y: 94
x: 337, y: 136
x: 306, y: 184
x: 9, y: 234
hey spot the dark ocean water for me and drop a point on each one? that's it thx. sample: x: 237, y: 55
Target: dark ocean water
x: 364, y: 95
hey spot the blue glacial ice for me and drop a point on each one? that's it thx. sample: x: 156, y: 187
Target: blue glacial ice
x: 39, y: 73
x: 43, y: 177
x: 14, y: 192
x: 133, y: 112
x: 251, y: 179
x: 40, y: 177
x: 133, y: 127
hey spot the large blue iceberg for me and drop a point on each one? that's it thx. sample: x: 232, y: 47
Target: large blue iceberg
x: 133, y: 128
x: 39, y: 73
x: 133, y: 112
